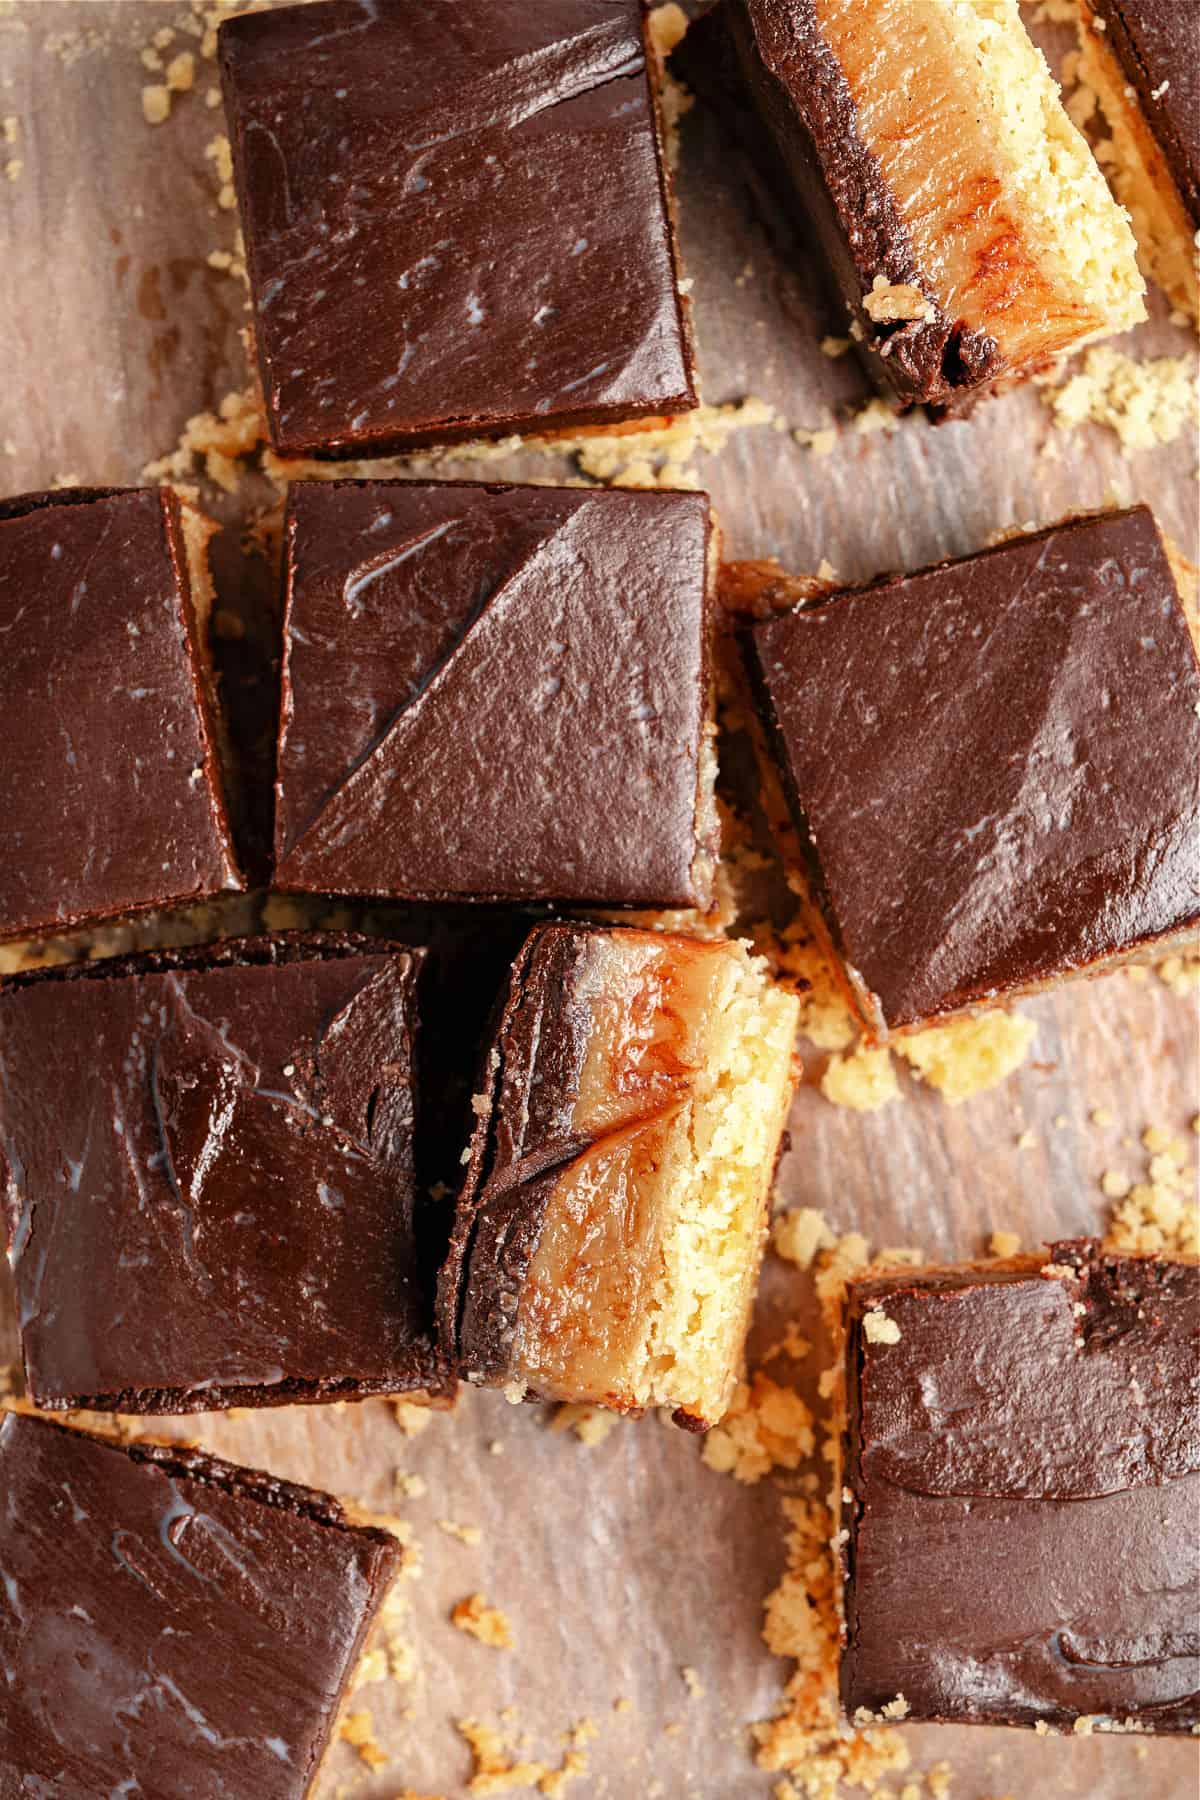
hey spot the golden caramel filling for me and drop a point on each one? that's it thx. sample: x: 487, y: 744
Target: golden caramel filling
x: 1010, y: 218
x: 640, y: 1289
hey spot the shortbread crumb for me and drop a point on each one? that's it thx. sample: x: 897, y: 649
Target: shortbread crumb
x: 486, y: 1623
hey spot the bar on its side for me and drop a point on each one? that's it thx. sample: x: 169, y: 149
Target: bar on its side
x: 1021, y: 1494
x: 612, y: 1221
x: 989, y: 767
x: 965, y: 220
x: 207, y: 1172
x: 1141, y: 58
x: 173, y: 1624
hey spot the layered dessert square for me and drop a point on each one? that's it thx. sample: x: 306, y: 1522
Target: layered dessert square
x: 611, y: 1224
x: 988, y: 769
x: 496, y: 693
x: 1021, y: 1506
x: 457, y: 220
x: 206, y: 1167
x: 1141, y: 58
x: 173, y: 1624
x: 963, y: 216
x: 110, y: 789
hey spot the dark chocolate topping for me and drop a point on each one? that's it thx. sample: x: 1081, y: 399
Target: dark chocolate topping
x: 1157, y: 43
x: 769, y: 57
x: 1026, y: 1459
x: 208, y: 1162
x: 456, y: 220
x: 109, y: 790
x: 174, y: 1625
x: 493, y: 692
x: 994, y: 762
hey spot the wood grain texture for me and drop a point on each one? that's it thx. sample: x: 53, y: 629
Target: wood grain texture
x: 619, y: 1564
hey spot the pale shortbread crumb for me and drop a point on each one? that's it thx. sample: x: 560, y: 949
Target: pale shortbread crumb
x: 798, y: 1233
x: 156, y: 103
x: 693, y: 1683
x: 863, y: 1080
x: 411, y: 1418
x: 591, y: 1424
x: 820, y: 441
x: 495, y: 1771
x: 875, y: 415
x: 833, y: 347
x: 466, y: 1534
x: 1004, y: 1244
x: 767, y: 1427
x: 486, y: 1623
x: 1161, y: 1213
x: 358, y: 1729
x: 970, y: 1055
x: 1146, y: 403
x: 878, y: 1328
x: 890, y: 301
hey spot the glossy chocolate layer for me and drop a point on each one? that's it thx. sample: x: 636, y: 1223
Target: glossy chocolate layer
x: 766, y: 65
x: 1024, y: 1463
x: 456, y: 220
x: 494, y: 692
x: 174, y: 1625
x: 109, y: 791
x: 1158, y: 47
x: 992, y: 764
x: 207, y: 1162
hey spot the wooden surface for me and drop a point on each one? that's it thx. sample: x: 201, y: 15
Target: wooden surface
x: 616, y: 1564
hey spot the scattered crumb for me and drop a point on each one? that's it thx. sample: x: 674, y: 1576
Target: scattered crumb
x: 875, y: 416
x: 1145, y: 403
x: 820, y: 441
x: 487, y: 1623
x: 623, y: 1704
x: 888, y: 302
x: 410, y: 1487
x: 466, y: 1534
x: 799, y: 1233
x: 970, y: 1055
x: 879, y: 1329
x: 181, y: 72
x: 358, y: 1729
x: 495, y: 1448
x: 1162, y: 1212
x: 156, y: 103
x: 1102, y: 1118
x: 767, y: 1427
x: 692, y: 1682
x: 411, y: 1418
x: 833, y: 347
x: 496, y: 1773
x: 591, y: 1424
x: 863, y: 1080
x: 793, y: 1344
x: 14, y: 168
x: 1027, y: 1140
x: 1004, y: 1244
x: 219, y: 152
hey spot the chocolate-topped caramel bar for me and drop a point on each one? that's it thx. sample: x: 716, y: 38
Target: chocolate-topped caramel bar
x: 611, y: 1224
x: 207, y: 1176
x: 457, y: 220
x: 497, y: 693
x: 111, y: 797
x: 171, y: 1624
x: 1141, y: 58
x: 1021, y: 1494
x: 988, y: 769
x: 964, y: 218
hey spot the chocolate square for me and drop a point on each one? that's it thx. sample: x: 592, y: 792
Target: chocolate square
x: 109, y: 787
x: 456, y: 220
x: 496, y: 693
x: 1022, y: 1469
x: 991, y: 766
x: 173, y: 1624
x: 207, y: 1163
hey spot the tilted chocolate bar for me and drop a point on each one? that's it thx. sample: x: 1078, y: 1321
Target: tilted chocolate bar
x: 989, y: 767
x: 456, y: 219
x: 173, y: 1625
x: 612, y: 1221
x: 110, y: 791
x: 1141, y: 58
x: 963, y: 216
x: 206, y: 1162
x: 1022, y: 1493
x: 496, y: 693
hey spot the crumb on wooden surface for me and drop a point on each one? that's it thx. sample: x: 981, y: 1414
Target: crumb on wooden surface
x: 1004, y: 1244
x: 495, y: 1771
x: 863, y: 1079
x: 486, y: 1623
x: 358, y: 1729
x: 767, y: 1427
x: 590, y: 1424
x: 969, y: 1056
x: 798, y: 1233
x: 1161, y: 1212
x: 1145, y: 402
x: 470, y: 1535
